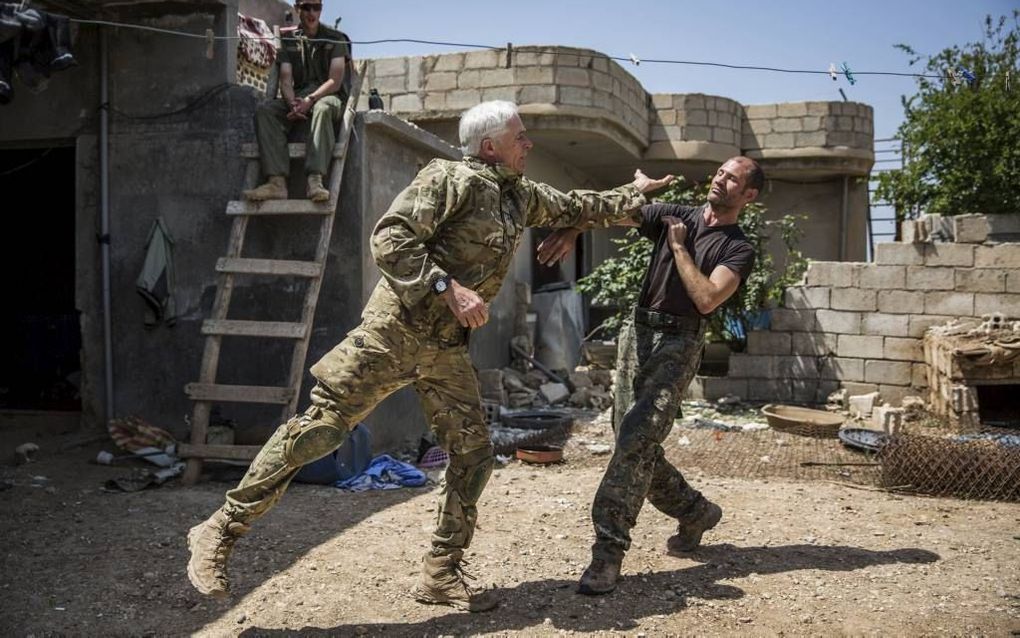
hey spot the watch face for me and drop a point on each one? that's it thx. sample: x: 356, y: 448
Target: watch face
x: 439, y: 286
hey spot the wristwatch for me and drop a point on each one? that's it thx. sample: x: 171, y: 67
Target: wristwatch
x: 441, y: 285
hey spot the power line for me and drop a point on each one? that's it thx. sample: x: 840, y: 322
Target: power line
x: 629, y: 59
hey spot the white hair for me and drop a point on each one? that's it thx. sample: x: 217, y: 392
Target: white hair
x: 484, y: 120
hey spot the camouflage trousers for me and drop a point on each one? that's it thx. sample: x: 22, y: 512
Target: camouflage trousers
x: 373, y: 361
x: 657, y: 357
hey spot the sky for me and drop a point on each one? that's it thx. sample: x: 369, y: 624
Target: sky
x: 787, y: 34
x: 795, y: 34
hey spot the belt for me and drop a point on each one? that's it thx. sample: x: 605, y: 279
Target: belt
x: 656, y: 319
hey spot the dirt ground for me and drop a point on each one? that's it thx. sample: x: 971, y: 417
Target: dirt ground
x: 791, y: 556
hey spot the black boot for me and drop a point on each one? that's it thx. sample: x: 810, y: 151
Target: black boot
x: 704, y: 515
x: 601, y: 575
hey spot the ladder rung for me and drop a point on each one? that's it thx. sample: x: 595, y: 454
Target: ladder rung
x: 238, y: 393
x: 250, y: 150
x: 206, y: 451
x: 239, y: 328
x: 278, y: 207
x: 268, y: 267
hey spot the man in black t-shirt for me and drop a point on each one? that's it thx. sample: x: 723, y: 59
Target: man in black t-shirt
x: 700, y: 258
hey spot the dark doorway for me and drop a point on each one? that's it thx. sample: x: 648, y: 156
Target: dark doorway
x: 999, y: 405
x: 39, y: 328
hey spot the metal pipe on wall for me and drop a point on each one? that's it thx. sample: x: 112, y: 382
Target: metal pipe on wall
x: 844, y: 219
x: 104, y: 216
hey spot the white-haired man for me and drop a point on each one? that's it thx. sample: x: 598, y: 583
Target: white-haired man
x: 443, y: 247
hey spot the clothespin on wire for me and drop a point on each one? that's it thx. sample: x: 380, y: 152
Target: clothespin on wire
x: 832, y: 71
x: 849, y: 74
x: 210, y: 42
x: 634, y: 59
x: 968, y: 76
x: 954, y: 77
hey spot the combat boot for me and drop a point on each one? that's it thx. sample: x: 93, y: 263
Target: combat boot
x: 211, y: 542
x: 443, y: 582
x: 274, y: 188
x: 601, y: 575
x: 703, y: 516
x: 316, y: 191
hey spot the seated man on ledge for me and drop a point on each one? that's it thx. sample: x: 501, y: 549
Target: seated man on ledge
x: 313, y: 65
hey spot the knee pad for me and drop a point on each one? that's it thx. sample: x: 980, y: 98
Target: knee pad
x: 309, y: 439
x: 469, y: 473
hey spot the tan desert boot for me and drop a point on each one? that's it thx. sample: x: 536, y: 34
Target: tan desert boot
x: 443, y: 583
x: 211, y: 542
x: 704, y: 516
x: 601, y: 576
x: 316, y: 191
x: 274, y: 188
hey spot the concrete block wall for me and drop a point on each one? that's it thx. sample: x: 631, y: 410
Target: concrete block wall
x: 443, y: 86
x: 697, y: 117
x: 861, y: 325
x: 808, y: 125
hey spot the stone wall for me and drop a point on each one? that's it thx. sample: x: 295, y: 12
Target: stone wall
x: 860, y: 325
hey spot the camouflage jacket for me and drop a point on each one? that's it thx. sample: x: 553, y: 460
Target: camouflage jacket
x: 465, y: 219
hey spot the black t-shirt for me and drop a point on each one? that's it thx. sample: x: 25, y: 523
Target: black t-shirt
x: 709, y: 246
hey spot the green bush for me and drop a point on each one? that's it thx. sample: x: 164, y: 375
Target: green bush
x: 961, y: 141
x: 616, y: 282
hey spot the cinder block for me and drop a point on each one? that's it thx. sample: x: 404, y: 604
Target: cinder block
x: 970, y: 229
x: 930, y: 278
x: 887, y: 418
x: 814, y: 343
x: 980, y: 280
x: 567, y: 76
x: 903, y: 349
x: 791, y: 109
x: 788, y: 125
x: 797, y: 367
x: 462, y: 99
x: 389, y: 66
x: 793, y: 319
x: 900, y: 301
x: 496, y: 77
x: 410, y: 103
x: 576, y: 95
x: 888, y: 372
x: 949, y: 303
x: 768, y: 342
x: 940, y: 254
x: 885, y: 325
x: 854, y: 388
x: 539, y: 94
x: 919, y: 324
x: 760, y: 111
x: 815, y: 297
x: 752, y: 366
x: 894, y: 394
x: 1002, y: 256
x: 440, y: 81
x: 897, y: 254
x: 1003, y: 225
x: 662, y: 100
x: 853, y: 299
x: 718, y: 387
x: 770, y: 390
x: 1007, y: 304
x: 1013, y: 281
x: 481, y: 59
x: 862, y: 405
x: 450, y: 62
x: 860, y: 346
x: 913, y: 231
x: 508, y: 93
x: 841, y: 368
x: 884, y: 277
x: 831, y: 273
x: 838, y: 322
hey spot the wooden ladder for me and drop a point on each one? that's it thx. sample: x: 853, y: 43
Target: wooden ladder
x: 206, y: 390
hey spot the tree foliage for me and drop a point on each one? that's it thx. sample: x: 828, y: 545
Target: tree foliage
x: 961, y: 138
x: 616, y: 282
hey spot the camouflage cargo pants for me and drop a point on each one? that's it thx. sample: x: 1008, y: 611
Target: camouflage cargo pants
x: 373, y: 361
x: 657, y: 357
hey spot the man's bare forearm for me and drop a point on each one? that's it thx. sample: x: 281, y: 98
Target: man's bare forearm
x: 699, y: 288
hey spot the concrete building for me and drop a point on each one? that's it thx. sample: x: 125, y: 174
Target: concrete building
x: 171, y: 146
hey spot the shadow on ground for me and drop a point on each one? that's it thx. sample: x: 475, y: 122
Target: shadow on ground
x: 529, y: 604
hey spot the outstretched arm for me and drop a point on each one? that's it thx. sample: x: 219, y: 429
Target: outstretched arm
x: 560, y: 242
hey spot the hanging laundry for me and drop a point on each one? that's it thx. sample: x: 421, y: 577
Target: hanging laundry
x: 156, y: 281
x: 34, y: 44
x: 255, y: 41
x: 849, y: 74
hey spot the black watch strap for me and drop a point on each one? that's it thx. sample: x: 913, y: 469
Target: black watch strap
x: 441, y: 285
